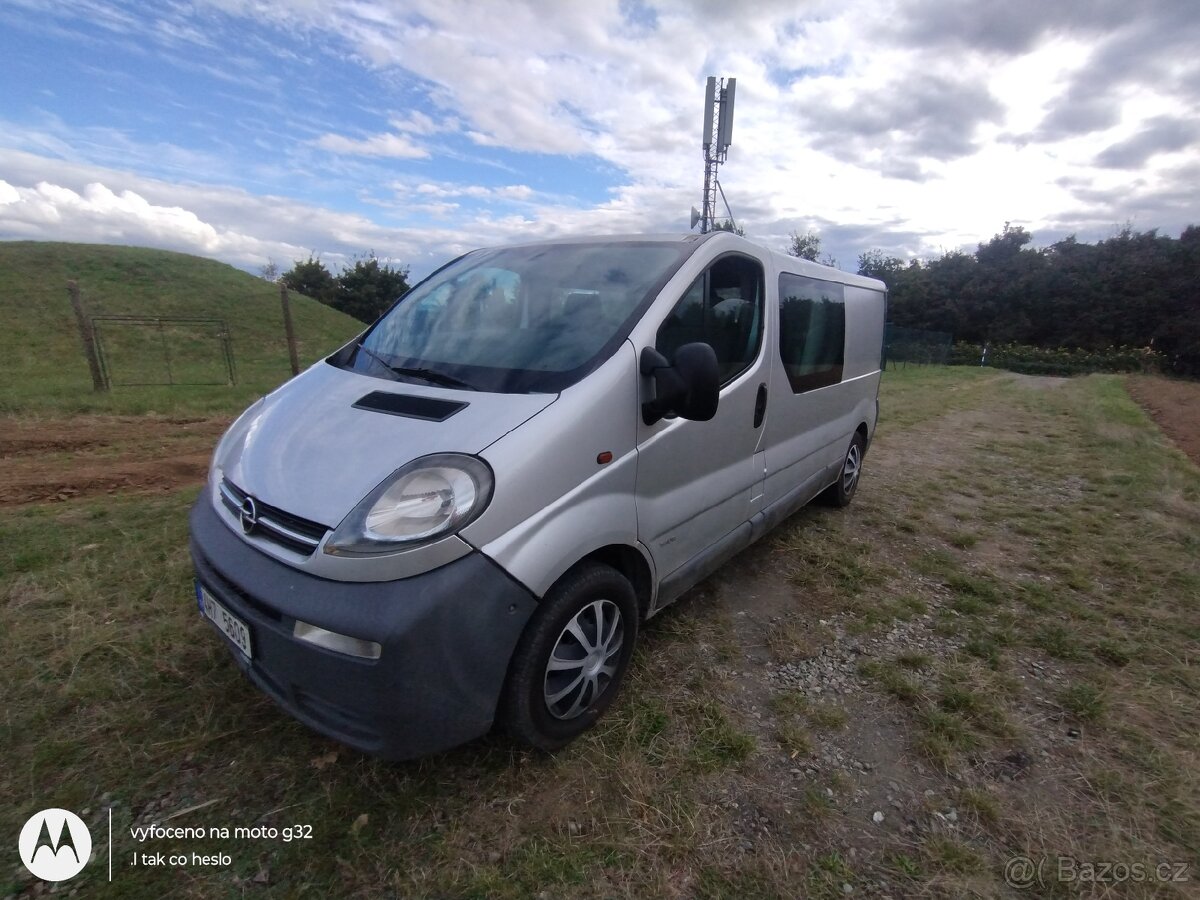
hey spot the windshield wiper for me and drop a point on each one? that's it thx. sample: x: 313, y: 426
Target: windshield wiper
x: 375, y: 356
x: 434, y: 376
x: 430, y: 375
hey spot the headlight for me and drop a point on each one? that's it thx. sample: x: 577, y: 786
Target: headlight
x: 429, y: 498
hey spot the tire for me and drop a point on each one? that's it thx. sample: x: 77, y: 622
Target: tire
x: 546, y: 708
x: 841, y: 492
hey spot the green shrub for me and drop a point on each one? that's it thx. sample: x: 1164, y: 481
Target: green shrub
x: 1057, y: 360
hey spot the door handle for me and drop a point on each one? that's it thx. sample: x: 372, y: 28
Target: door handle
x: 760, y: 405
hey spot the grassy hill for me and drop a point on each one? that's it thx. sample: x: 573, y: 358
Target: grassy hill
x: 42, y: 365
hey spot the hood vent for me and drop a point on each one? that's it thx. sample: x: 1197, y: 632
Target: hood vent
x: 430, y: 409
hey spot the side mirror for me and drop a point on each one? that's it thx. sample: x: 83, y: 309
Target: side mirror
x: 688, y: 386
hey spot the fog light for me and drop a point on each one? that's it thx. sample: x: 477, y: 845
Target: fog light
x: 341, y: 643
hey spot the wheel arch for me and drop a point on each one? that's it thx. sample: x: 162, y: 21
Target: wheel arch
x: 631, y: 563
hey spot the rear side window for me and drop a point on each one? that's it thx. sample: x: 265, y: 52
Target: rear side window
x: 812, y: 331
x: 722, y: 308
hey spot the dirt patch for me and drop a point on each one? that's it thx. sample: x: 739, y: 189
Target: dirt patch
x: 57, y: 460
x: 1174, y: 406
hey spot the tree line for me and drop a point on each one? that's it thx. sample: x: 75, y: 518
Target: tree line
x: 1138, y: 289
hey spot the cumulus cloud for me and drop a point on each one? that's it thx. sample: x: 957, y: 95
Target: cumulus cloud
x: 96, y: 213
x: 58, y: 200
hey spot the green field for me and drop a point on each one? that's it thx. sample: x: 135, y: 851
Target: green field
x: 43, y: 367
x: 1002, y: 632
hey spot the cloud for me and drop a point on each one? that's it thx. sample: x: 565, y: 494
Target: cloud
x: 1166, y: 200
x: 1162, y: 134
x: 98, y: 214
x: 1133, y: 62
x: 516, y: 192
x: 60, y: 200
x: 920, y: 116
x: 393, y: 146
x: 438, y: 125
x: 1078, y: 115
x: 1008, y: 29
x: 48, y: 199
x: 417, y: 122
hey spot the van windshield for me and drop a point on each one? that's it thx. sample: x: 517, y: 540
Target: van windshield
x: 519, y: 319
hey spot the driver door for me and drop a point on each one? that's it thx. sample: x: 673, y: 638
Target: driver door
x: 697, y: 482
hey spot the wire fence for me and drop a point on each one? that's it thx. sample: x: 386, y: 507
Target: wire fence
x: 138, y: 351
x: 902, y: 346
x: 917, y: 346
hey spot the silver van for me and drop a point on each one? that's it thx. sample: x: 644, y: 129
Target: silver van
x: 463, y: 517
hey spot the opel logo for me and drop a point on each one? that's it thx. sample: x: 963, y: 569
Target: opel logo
x: 249, y: 515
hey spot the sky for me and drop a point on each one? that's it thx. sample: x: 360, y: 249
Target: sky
x: 262, y: 132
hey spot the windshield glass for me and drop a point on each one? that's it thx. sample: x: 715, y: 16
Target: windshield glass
x: 519, y: 319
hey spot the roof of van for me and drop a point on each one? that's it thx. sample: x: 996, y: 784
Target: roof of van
x: 783, y: 261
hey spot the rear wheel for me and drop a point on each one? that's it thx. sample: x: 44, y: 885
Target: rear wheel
x: 569, y: 663
x: 841, y: 492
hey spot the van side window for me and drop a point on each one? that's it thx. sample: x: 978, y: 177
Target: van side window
x: 724, y: 309
x: 812, y: 331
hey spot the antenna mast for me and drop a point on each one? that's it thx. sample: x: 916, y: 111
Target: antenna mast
x: 717, y: 136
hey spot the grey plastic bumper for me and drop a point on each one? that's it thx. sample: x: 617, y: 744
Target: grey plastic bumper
x: 446, y: 636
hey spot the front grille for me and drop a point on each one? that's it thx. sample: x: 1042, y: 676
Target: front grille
x: 274, y: 524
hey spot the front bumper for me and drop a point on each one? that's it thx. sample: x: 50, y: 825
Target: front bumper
x: 446, y: 636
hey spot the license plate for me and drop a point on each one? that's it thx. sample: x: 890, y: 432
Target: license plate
x: 229, y: 624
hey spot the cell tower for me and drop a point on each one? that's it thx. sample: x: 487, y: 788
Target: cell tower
x: 718, y: 117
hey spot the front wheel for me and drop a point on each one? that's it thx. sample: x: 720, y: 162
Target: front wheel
x: 569, y: 663
x: 841, y: 492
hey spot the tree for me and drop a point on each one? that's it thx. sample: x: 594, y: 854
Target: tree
x: 806, y: 246
x: 729, y: 225
x: 312, y: 279
x: 874, y: 264
x: 270, y: 271
x: 1005, y: 289
x: 369, y: 288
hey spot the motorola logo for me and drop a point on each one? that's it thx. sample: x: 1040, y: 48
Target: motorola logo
x: 55, y: 844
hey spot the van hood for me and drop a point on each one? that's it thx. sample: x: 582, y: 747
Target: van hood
x: 309, y: 450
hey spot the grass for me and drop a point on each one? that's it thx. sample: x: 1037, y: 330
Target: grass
x: 717, y: 742
x: 891, y: 680
x: 42, y: 366
x: 1067, y: 626
x: 1084, y: 701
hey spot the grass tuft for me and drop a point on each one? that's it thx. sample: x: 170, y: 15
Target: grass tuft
x: 1084, y: 701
